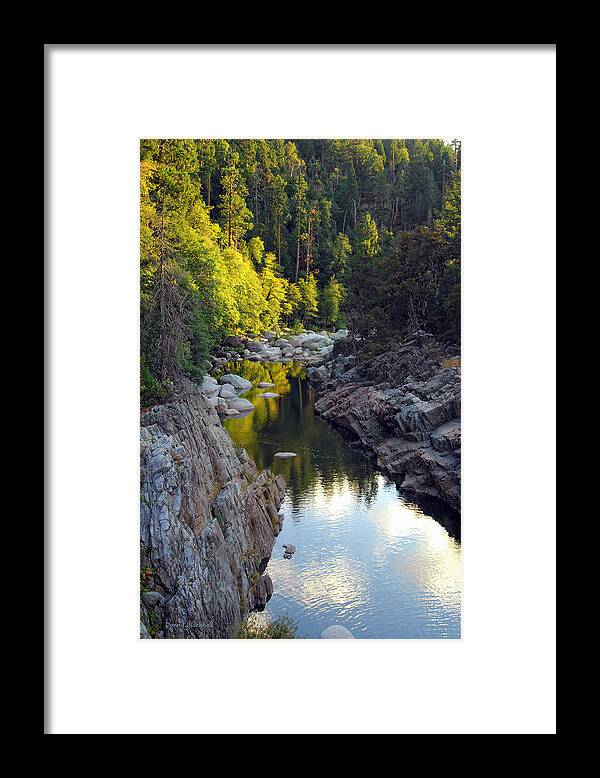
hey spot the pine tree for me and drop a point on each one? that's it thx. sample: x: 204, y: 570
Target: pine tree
x: 309, y: 299
x: 236, y: 218
x: 329, y: 306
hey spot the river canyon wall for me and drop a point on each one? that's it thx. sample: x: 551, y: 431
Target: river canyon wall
x: 208, y: 523
x: 404, y: 406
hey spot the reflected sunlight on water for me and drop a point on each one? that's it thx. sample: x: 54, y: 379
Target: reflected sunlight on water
x: 366, y: 557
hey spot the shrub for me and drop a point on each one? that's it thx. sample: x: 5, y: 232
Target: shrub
x: 280, y: 629
x: 150, y: 389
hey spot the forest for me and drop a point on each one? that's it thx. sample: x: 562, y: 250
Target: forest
x: 247, y: 236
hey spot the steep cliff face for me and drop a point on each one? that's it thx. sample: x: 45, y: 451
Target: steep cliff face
x: 208, y: 523
x: 404, y: 406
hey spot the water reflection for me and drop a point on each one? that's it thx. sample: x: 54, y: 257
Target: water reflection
x: 366, y: 557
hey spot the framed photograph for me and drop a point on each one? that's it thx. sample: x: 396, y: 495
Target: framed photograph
x: 300, y: 388
x: 282, y: 278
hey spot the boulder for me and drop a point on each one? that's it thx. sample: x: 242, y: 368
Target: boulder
x: 268, y: 395
x: 233, y: 341
x: 290, y: 548
x: 221, y: 405
x: 209, y: 386
x: 238, y: 383
x: 297, y: 340
x: 284, y: 454
x: 264, y: 385
x: 343, y: 347
x: 336, y: 631
x: 447, y: 436
x: 321, y: 340
x: 339, y: 335
x: 227, y: 391
x: 260, y: 593
x: 271, y: 354
x: 240, y: 404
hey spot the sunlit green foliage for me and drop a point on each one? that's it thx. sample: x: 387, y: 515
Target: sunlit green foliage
x: 249, y: 235
x: 330, y: 300
x: 309, y: 300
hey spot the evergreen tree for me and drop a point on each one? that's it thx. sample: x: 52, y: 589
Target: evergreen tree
x: 236, y: 218
x: 309, y: 299
x: 329, y: 306
x: 341, y: 251
x: 361, y: 280
x: 304, y: 227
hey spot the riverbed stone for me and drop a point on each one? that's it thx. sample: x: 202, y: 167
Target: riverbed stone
x: 272, y: 353
x: 336, y: 631
x: 209, y: 386
x: 264, y: 385
x: 232, y: 341
x: 285, y: 454
x: 227, y: 391
x: 321, y: 340
x: 238, y: 383
x: 240, y: 404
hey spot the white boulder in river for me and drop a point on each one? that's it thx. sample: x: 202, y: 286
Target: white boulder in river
x: 240, y: 384
x: 316, y: 340
x: 209, y: 386
x: 339, y: 335
x: 290, y: 548
x: 239, y: 404
x: 265, y: 385
x: 284, y: 454
x: 336, y: 631
x: 227, y: 391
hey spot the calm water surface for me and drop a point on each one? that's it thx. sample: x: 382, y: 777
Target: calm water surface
x: 366, y: 557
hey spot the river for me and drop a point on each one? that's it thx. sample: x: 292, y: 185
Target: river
x: 367, y: 556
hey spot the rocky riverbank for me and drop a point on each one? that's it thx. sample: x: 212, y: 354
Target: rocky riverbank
x: 225, y: 394
x: 208, y: 522
x: 404, y: 406
x: 309, y: 347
